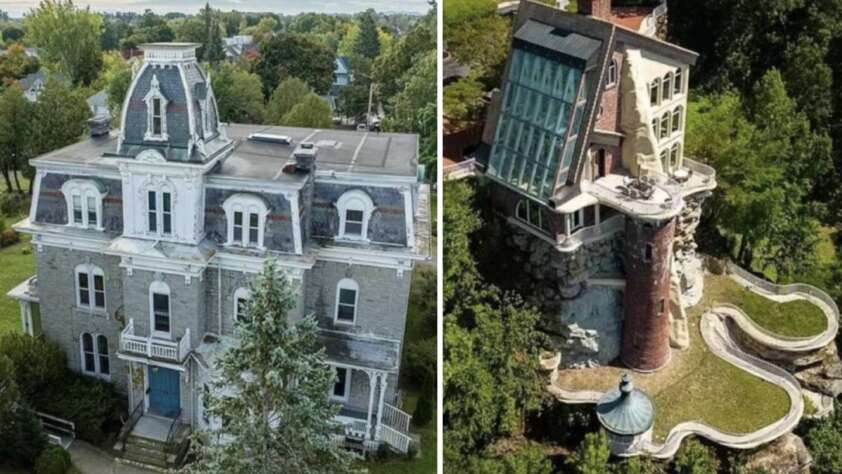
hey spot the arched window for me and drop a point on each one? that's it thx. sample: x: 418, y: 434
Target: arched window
x: 347, y: 297
x: 665, y: 125
x: 84, y: 203
x: 90, y: 287
x: 655, y: 128
x: 611, y: 76
x: 676, y: 119
x: 246, y: 215
x: 678, y: 82
x: 666, y: 89
x: 675, y: 156
x: 355, y: 209
x: 655, y: 92
x: 156, y: 111
x: 94, y: 352
x: 241, y: 298
x: 159, y: 310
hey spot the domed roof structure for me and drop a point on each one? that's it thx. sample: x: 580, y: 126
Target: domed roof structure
x: 626, y: 411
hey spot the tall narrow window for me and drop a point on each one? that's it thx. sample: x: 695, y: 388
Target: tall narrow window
x: 152, y: 206
x: 654, y: 92
x: 655, y: 130
x: 674, y: 155
x: 88, y: 353
x: 157, y: 125
x: 159, y: 300
x: 577, y: 220
x: 346, y: 300
x: 238, y: 226
x: 92, y: 207
x: 676, y: 120
x: 666, y: 89
x: 241, y: 298
x: 611, y: 77
x: 343, y: 383
x: 99, y: 291
x: 102, y: 352
x: 166, y: 206
x: 678, y: 82
x: 665, y: 160
x: 84, y: 289
x: 353, y: 222
x: 665, y: 125
x: 254, y: 228
x: 90, y: 287
x: 77, y: 208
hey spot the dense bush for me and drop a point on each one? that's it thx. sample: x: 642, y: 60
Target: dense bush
x: 9, y: 237
x: 89, y: 403
x: 21, y: 437
x: 10, y: 204
x: 423, y: 410
x: 695, y: 458
x: 527, y: 459
x: 825, y: 443
x: 419, y: 365
x: 40, y: 365
x: 53, y: 460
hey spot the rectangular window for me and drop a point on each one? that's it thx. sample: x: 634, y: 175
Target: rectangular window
x: 99, y: 291
x: 92, y: 211
x: 161, y: 308
x: 353, y: 222
x: 253, y: 228
x: 676, y: 120
x: 167, y: 212
x: 678, y: 83
x: 241, y: 308
x: 152, y: 206
x: 238, y: 226
x: 341, y: 383
x: 347, y: 306
x: 653, y: 94
x: 577, y: 220
x: 84, y: 289
x: 666, y: 89
x: 77, y: 209
x: 156, y: 116
x: 102, y: 352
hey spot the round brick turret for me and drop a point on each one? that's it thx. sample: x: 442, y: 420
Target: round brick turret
x: 646, y: 327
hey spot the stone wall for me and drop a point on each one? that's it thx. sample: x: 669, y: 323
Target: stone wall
x: 688, y: 266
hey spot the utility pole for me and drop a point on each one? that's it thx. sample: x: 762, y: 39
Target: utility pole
x: 370, y: 100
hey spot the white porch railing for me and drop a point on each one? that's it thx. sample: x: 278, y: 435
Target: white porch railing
x: 154, y: 348
x: 394, y: 428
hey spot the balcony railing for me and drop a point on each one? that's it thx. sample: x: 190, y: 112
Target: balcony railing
x: 154, y: 348
x: 394, y: 428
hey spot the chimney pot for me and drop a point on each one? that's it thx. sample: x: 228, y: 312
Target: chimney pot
x: 305, y: 156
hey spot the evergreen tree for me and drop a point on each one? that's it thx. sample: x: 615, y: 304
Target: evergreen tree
x: 592, y: 455
x: 368, y: 40
x: 271, y: 392
x: 825, y: 443
x: 213, y: 51
x: 9, y: 393
x: 695, y: 458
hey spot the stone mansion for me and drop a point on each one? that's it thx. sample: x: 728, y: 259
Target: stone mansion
x: 584, y: 150
x: 146, y: 239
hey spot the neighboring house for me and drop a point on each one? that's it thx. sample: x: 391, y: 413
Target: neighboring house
x: 584, y: 147
x: 341, y: 78
x: 239, y: 46
x: 34, y: 82
x: 98, y: 104
x: 146, y: 241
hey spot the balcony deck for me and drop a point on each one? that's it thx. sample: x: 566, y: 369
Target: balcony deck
x: 154, y: 348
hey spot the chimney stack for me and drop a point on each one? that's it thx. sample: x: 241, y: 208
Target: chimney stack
x: 305, y: 156
x: 100, y: 125
x: 597, y: 8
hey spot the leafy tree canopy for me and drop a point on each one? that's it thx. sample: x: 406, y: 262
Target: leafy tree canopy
x: 288, y: 55
x: 238, y: 94
x: 288, y: 93
x: 311, y: 112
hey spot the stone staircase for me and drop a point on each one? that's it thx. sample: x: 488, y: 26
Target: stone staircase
x: 153, y: 454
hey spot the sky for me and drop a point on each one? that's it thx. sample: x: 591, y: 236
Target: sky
x: 291, y: 7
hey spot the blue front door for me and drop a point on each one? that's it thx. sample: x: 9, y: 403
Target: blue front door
x: 164, y: 391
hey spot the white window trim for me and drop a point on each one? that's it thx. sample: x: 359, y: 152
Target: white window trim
x: 91, y: 271
x: 159, y: 211
x: 347, y: 394
x: 84, y: 188
x: 347, y: 284
x: 247, y: 204
x: 241, y: 293
x: 573, y: 228
x: 160, y: 288
x: 528, y: 219
x: 155, y: 93
x: 354, y: 200
x: 95, y: 345
x: 611, y: 79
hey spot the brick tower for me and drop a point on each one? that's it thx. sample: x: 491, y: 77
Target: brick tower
x: 646, y: 326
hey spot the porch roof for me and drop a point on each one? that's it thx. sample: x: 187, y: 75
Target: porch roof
x: 360, y: 351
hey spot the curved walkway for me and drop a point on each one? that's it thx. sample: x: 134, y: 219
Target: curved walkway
x: 718, y: 338
x: 781, y: 293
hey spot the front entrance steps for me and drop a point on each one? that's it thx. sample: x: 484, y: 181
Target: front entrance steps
x: 155, y: 443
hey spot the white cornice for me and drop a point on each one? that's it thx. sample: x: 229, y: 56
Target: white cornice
x: 240, y: 184
x: 366, y: 179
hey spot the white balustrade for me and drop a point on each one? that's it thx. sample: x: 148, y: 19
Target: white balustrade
x: 152, y: 347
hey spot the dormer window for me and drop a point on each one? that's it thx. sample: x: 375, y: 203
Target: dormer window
x: 84, y: 203
x: 156, y: 106
x: 246, y: 220
x: 355, y: 209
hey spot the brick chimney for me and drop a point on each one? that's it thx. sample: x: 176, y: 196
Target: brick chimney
x: 598, y: 8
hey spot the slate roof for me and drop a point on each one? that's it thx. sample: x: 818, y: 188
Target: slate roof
x: 569, y: 43
x: 626, y: 411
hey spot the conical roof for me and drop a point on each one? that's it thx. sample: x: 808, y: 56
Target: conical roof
x: 626, y: 410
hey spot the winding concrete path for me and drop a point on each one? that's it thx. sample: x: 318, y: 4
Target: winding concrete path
x: 718, y: 338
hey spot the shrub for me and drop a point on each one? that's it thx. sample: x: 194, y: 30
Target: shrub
x: 53, y: 460
x: 40, y: 365
x: 9, y: 237
x: 695, y: 458
x: 419, y: 366
x: 10, y: 204
x: 825, y: 443
x: 21, y: 438
x: 423, y: 410
x: 89, y: 403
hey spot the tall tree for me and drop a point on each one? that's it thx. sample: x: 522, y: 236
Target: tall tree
x: 213, y: 51
x: 16, y: 128
x: 16, y: 64
x: 294, y: 56
x: 288, y: 93
x: 238, y: 94
x: 67, y: 39
x: 271, y: 392
x: 311, y: 112
x: 368, y: 40
x: 390, y: 67
x: 695, y: 458
x: 592, y: 455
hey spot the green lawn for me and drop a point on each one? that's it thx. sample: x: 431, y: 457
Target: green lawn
x: 16, y: 267
x: 798, y: 318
